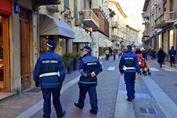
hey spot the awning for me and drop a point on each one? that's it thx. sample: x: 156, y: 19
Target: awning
x: 175, y: 23
x: 81, y: 36
x: 5, y: 7
x: 49, y: 25
x: 102, y: 42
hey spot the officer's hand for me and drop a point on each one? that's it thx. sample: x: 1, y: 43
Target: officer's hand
x: 37, y: 84
x: 121, y: 72
x: 93, y: 74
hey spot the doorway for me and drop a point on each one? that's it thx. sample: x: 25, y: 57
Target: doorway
x: 4, y: 55
x: 25, y: 44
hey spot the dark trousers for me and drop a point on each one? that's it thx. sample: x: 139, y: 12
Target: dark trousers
x: 172, y: 60
x: 130, y: 84
x: 114, y: 57
x: 92, y: 93
x: 107, y: 56
x: 47, y: 102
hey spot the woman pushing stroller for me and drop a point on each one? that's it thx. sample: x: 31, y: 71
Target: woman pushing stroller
x: 141, y: 61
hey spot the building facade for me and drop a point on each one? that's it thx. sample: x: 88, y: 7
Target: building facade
x: 133, y: 35
x: 160, y: 23
x: 17, y: 31
x: 95, y: 20
x: 118, y: 24
x: 19, y: 40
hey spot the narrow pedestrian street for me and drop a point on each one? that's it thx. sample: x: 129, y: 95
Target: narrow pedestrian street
x: 155, y: 96
x: 43, y: 42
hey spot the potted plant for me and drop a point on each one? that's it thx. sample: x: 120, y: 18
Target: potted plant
x: 69, y: 61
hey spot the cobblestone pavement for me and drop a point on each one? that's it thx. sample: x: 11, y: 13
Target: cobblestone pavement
x: 111, y: 96
x: 106, y: 90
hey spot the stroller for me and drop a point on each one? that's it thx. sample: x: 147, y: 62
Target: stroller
x: 144, y: 67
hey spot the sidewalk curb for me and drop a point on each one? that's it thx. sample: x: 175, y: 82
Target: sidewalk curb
x: 8, y: 96
x: 38, y: 106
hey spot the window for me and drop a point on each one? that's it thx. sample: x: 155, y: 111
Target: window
x: 171, y: 41
x: 75, y: 10
x: 90, y: 4
x: 66, y: 4
x: 171, y: 5
x: 160, y: 41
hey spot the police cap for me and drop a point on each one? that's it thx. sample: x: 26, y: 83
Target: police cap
x: 87, y: 48
x: 51, y: 43
x: 129, y: 47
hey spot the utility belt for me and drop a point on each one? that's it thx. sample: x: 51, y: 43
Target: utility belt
x: 49, y: 74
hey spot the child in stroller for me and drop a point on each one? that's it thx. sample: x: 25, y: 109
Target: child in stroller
x: 144, y: 67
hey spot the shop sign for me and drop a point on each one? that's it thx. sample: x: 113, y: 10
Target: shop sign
x: 5, y: 7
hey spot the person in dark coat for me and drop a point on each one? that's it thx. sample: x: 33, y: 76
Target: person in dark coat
x: 172, y: 54
x: 114, y: 55
x: 144, y: 53
x: 49, y: 74
x: 161, y: 57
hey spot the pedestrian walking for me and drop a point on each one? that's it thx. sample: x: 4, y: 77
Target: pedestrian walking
x: 90, y: 67
x: 161, y: 57
x: 144, y: 53
x: 114, y: 55
x: 139, y: 56
x: 154, y: 54
x: 172, y: 54
x: 107, y: 54
x: 49, y: 74
x: 129, y: 66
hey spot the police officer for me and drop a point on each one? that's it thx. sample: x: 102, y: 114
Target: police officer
x: 172, y: 54
x: 129, y: 66
x: 49, y: 74
x: 90, y: 67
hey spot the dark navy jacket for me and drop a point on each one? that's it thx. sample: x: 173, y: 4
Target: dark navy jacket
x: 172, y: 53
x: 89, y: 64
x: 129, y: 63
x: 49, y: 70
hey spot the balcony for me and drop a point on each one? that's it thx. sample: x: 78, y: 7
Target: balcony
x: 114, y: 24
x: 146, y: 15
x: 89, y: 18
x: 103, y: 22
x: 52, y: 8
x: 37, y: 3
x: 165, y: 19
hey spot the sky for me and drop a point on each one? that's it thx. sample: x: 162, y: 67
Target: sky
x: 133, y: 9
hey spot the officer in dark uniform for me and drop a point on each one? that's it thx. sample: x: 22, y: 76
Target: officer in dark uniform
x: 90, y: 67
x: 129, y: 66
x: 49, y: 74
x: 172, y: 54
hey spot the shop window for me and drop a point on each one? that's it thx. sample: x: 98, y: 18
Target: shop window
x: 1, y: 52
x: 160, y: 41
x: 171, y: 41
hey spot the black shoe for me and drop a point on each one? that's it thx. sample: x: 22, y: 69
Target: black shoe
x: 93, y: 112
x: 78, y: 106
x: 130, y: 99
x: 61, y: 114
